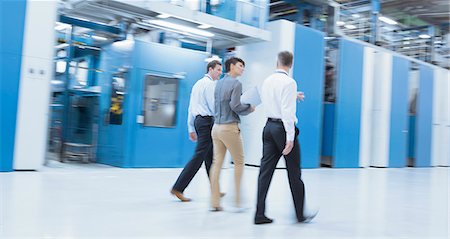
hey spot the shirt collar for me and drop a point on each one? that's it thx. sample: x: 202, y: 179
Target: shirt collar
x: 209, y: 77
x: 281, y: 71
x: 229, y: 76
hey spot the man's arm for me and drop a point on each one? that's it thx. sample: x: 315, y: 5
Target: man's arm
x: 288, y: 110
x: 191, y: 116
x: 235, y: 103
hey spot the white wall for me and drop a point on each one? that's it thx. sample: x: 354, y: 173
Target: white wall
x: 34, y: 90
x: 381, y: 114
x: 260, y: 61
x: 441, y: 118
x: 447, y: 137
x: 365, y: 137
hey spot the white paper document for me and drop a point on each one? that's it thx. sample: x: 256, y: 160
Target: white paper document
x: 251, y: 97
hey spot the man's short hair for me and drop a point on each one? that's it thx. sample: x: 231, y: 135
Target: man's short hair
x: 212, y: 64
x: 285, y: 58
x: 233, y: 60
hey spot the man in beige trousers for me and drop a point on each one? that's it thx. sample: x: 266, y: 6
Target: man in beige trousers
x: 226, y: 133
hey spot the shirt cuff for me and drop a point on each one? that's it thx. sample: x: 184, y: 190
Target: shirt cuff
x: 290, y: 136
x: 191, y: 129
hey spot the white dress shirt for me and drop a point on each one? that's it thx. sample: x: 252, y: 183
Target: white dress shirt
x: 202, y: 100
x: 279, y: 95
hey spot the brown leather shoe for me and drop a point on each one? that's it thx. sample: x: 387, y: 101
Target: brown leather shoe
x: 180, y: 195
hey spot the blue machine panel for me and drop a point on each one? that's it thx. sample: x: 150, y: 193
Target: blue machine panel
x: 424, y: 117
x: 328, y: 129
x: 412, y: 136
x: 348, y: 105
x: 154, y: 146
x: 399, y: 112
x: 112, y: 141
x: 128, y: 143
x: 12, y: 23
x: 308, y: 71
x: 247, y: 11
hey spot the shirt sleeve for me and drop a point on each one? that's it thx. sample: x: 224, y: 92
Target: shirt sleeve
x: 235, y: 103
x: 288, y: 109
x: 191, y: 116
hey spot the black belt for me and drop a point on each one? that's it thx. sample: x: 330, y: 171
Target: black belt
x: 274, y: 120
x: 205, y: 117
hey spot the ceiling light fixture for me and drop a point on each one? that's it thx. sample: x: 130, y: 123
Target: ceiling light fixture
x: 340, y: 23
x: 424, y: 36
x: 388, y: 20
x: 204, y: 26
x: 61, y: 26
x: 163, y: 16
x: 351, y: 27
x: 180, y: 27
x: 99, y: 38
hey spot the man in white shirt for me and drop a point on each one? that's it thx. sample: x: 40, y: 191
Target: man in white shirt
x: 279, y: 95
x: 200, y: 123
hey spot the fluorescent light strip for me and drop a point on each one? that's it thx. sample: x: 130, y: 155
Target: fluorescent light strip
x: 204, y: 26
x: 351, y: 27
x: 388, y: 20
x: 163, y: 16
x: 61, y: 26
x: 340, y: 23
x: 99, y: 38
x: 181, y: 28
x: 424, y: 36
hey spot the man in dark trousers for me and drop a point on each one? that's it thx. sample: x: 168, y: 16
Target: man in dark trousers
x: 200, y: 123
x: 279, y: 95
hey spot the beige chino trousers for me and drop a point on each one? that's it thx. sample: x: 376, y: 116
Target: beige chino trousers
x: 226, y: 137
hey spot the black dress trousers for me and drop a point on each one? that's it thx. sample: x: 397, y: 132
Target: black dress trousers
x: 203, y: 152
x: 274, y: 141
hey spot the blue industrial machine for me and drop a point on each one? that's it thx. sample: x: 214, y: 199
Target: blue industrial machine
x: 73, y: 125
x: 250, y: 12
x: 368, y: 125
x: 146, y: 88
x: 11, y: 56
x: 308, y: 70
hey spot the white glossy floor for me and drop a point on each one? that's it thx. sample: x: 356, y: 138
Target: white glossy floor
x: 96, y: 201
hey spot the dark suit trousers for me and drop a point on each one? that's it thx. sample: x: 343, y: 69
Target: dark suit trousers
x: 203, y: 152
x: 274, y: 141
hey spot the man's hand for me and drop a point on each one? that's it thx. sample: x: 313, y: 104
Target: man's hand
x: 300, y: 96
x: 193, y: 136
x: 288, y: 148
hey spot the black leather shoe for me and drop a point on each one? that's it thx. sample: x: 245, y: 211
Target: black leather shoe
x: 308, y: 218
x: 263, y: 220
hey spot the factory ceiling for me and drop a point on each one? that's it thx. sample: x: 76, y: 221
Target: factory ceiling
x: 408, y: 12
x: 139, y: 14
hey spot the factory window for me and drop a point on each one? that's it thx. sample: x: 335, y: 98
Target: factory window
x: 160, y: 100
x: 117, y: 96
